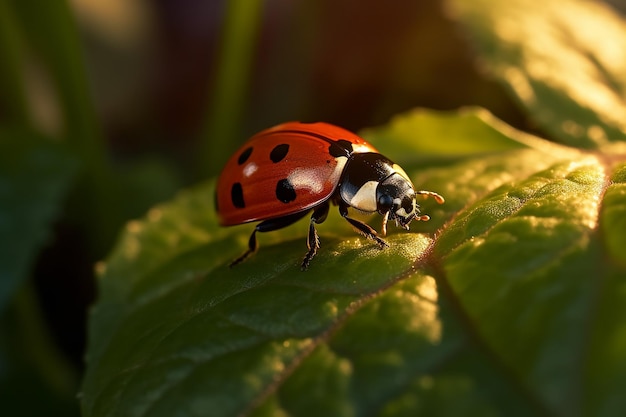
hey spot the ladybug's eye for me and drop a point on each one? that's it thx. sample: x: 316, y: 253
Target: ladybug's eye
x: 385, y: 202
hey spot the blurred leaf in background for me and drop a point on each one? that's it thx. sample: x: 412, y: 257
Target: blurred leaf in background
x: 35, y: 175
x: 563, y: 61
x: 62, y: 202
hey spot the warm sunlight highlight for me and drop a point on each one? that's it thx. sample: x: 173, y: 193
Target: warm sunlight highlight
x: 568, y: 53
x: 427, y: 321
x: 587, y: 208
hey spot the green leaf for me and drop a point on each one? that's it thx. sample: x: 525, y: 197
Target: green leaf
x: 470, y: 131
x: 613, y: 220
x: 508, y: 302
x: 564, y: 60
x: 539, y: 283
x: 606, y: 370
x: 35, y: 175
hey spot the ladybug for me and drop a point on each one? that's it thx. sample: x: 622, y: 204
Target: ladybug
x: 283, y: 173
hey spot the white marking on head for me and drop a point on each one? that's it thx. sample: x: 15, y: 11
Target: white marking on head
x: 365, y: 198
x: 401, y: 212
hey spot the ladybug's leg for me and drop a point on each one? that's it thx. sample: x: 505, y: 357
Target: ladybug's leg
x: 361, y: 227
x: 383, y: 229
x: 313, y: 240
x: 252, y: 247
x: 268, y: 226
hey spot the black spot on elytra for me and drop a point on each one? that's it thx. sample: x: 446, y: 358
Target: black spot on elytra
x: 285, y: 191
x: 340, y: 147
x: 279, y: 152
x: 236, y: 195
x: 244, y: 155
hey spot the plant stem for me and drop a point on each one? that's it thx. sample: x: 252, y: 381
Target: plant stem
x: 230, y: 84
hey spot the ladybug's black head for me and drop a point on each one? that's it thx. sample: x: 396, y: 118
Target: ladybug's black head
x: 395, y: 195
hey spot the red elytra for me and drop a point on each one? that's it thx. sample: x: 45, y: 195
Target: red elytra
x: 284, y: 172
x: 248, y: 184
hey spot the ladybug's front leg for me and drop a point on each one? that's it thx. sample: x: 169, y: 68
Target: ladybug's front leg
x: 361, y: 227
x: 313, y: 240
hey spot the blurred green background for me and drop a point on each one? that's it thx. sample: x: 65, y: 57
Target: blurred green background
x: 108, y: 107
